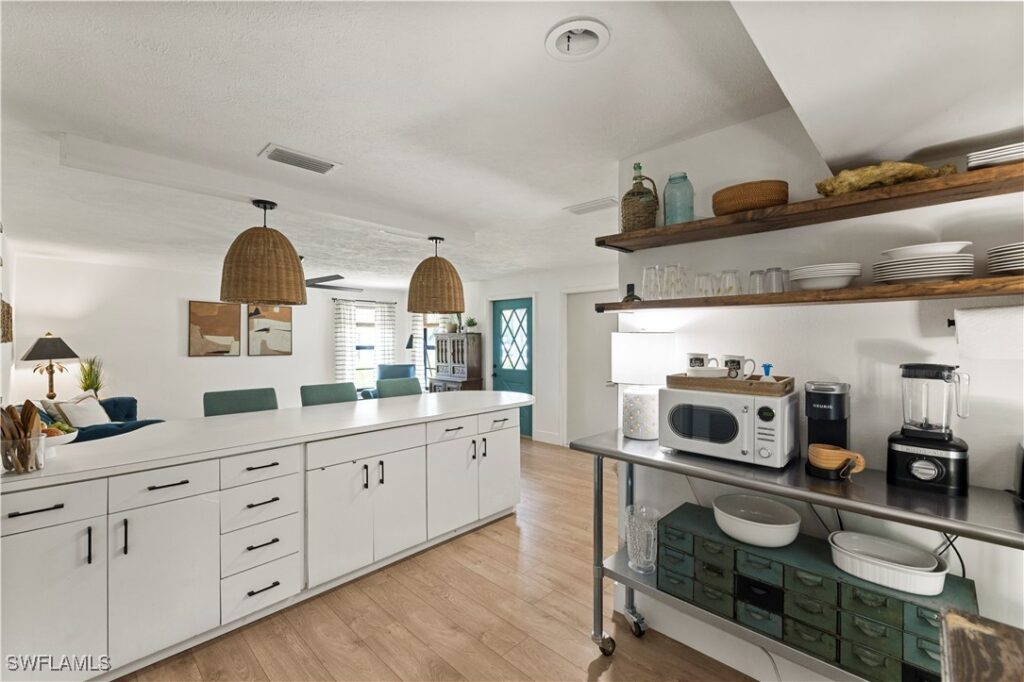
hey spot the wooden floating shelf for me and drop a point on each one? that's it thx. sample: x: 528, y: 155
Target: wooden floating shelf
x: 957, y: 187
x: 962, y: 288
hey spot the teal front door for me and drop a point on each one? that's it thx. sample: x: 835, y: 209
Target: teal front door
x: 512, y: 353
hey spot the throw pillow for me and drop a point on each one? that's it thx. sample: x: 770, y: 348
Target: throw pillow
x: 85, y: 410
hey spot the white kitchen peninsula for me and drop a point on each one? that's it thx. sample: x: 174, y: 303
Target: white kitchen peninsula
x: 139, y: 546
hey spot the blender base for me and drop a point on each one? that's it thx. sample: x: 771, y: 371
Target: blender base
x: 928, y: 464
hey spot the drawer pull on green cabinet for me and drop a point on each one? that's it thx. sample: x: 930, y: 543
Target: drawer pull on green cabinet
x: 808, y: 606
x: 673, y: 535
x: 931, y: 650
x: 713, y: 569
x: 928, y: 616
x: 710, y: 593
x: 868, y: 658
x: 868, y: 628
x: 868, y: 599
x: 807, y: 635
x: 758, y: 562
x: 712, y: 547
x: 808, y: 579
x: 759, y: 591
x: 756, y: 613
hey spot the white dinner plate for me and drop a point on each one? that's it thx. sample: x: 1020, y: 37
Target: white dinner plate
x: 930, y: 249
x: 1003, y: 261
x: 1019, y: 246
x: 927, y: 260
x: 925, y: 271
x: 928, y: 276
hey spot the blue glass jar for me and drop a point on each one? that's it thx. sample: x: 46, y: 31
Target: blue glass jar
x: 678, y: 199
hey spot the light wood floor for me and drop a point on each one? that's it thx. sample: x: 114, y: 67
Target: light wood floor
x: 510, y: 601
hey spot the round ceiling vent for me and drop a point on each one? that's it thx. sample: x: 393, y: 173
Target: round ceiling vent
x: 575, y: 39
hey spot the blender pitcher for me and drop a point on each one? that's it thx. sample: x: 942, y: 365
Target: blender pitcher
x: 928, y: 393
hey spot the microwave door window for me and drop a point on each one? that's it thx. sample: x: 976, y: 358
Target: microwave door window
x: 700, y: 422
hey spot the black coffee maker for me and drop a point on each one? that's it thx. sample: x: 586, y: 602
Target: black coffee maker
x: 827, y: 407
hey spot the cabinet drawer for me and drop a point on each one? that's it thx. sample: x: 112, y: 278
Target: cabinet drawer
x: 713, y: 600
x: 52, y: 506
x: 675, y: 538
x: 451, y: 429
x: 875, y: 606
x: 883, y: 638
x: 492, y: 421
x: 326, y: 453
x: 811, y: 611
x: 714, y: 552
x: 757, y: 593
x: 759, y: 568
x: 870, y: 664
x: 243, y: 549
x: 922, y: 652
x: 758, y: 619
x: 921, y: 621
x: 713, y: 576
x: 677, y: 585
x: 163, y: 485
x: 913, y: 674
x: 259, y: 466
x: 676, y: 562
x: 813, y: 585
x: 811, y: 640
x: 258, y: 502
x: 262, y: 586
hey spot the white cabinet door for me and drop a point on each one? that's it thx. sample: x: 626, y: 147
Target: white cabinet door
x: 339, y: 519
x: 451, y: 485
x: 54, y: 596
x: 399, y: 482
x: 164, y: 564
x: 499, y: 471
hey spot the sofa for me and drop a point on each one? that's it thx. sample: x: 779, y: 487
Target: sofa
x: 388, y: 372
x: 124, y: 417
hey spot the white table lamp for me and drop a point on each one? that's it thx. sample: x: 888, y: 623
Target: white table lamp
x: 640, y: 361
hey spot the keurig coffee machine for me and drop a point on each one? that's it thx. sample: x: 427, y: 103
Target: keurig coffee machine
x: 827, y: 407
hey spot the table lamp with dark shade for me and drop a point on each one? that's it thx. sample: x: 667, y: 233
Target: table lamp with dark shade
x: 46, y: 349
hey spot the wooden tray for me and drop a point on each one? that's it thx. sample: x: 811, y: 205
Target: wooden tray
x: 752, y: 386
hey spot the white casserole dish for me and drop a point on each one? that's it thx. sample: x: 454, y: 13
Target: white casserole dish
x: 881, y: 572
x: 756, y: 520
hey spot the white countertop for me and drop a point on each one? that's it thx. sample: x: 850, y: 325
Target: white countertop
x: 189, y: 440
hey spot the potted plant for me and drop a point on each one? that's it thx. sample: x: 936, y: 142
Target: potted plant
x: 470, y: 322
x: 90, y: 375
x: 450, y: 325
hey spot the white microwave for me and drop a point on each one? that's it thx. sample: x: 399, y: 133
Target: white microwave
x: 759, y: 430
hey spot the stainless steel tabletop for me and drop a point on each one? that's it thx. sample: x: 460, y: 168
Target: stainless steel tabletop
x: 984, y: 514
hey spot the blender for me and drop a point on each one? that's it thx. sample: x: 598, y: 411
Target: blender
x: 924, y: 453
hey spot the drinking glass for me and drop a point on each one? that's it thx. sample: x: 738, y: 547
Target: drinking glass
x: 774, y: 281
x: 641, y: 537
x: 651, y: 286
x: 670, y: 284
x: 730, y: 283
x: 702, y: 285
x: 756, y: 285
x: 716, y: 284
x: 684, y: 282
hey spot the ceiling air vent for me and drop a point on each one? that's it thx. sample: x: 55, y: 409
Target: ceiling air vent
x: 591, y: 206
x: 276, y: 152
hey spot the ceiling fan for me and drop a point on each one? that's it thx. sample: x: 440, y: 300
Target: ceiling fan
x: 321, y: 283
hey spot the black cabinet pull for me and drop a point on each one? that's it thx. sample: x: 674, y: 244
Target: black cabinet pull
x: 125, y: 536
x: 366, y: 476
x: 88, y: 540
x: 485, y: 447
x: 265, y: 544
x: 474, y: 449
x: 167, y: 485
x: 454, y: 428
x: 500, y: 421
x: 16, y: 514
x: 260, y: 504
x: 252, y: 593
x: 380, y: 472
x: 263, y: 466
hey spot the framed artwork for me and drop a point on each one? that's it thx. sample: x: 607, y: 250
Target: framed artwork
x: 270, y: 329
x: 213, y: 329
x: 6, y: 322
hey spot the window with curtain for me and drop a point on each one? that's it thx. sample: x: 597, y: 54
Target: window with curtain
x: 364, y: 338
x: 384, y: 330
x: 345, y: 338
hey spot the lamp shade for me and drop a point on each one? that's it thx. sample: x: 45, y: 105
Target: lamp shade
x: 262, y: 267
x: 435, y: 286
x: 49, y: 347
x: 644, y: 357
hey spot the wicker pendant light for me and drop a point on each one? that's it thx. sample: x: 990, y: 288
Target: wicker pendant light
x: 435, y: 286
x: 262, y: 267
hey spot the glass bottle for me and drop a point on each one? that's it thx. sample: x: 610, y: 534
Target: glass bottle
x: 678, y: 199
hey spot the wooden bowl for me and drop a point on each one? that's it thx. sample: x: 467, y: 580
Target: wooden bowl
x: 832, y: 457
x: 747, y: 196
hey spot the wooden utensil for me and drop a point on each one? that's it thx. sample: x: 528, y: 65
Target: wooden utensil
x: 826, y: 456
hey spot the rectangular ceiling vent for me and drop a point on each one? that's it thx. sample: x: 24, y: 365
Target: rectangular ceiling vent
x: 276, y: 152
x: 591, y: 206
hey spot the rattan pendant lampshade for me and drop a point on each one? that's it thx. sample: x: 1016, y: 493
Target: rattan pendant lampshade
x: 262, y: 267
x: 435, y: 286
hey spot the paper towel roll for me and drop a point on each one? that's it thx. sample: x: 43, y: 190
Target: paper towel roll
x: 990, y: 333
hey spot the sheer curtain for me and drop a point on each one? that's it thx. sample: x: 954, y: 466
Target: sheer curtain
x: 416, y: 354
x: 384, y: 328
x: 344, y: 340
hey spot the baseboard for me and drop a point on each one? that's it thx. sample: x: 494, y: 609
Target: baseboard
x: 547, y: 437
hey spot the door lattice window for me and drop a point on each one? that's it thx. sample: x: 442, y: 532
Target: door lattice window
x: 515, y: 346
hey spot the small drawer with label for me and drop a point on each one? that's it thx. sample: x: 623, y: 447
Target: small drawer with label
x: 714, y: 553
x: 677, y: 562
x: 876, y: 606
x: 759, y: 568
x: 759, y: 594
x: 713, y: 600
x: 922, y: 652
x: 869, y: 663
x: 884, y: 638
x: 677, y: 585
x: 813, y: 585
x: 811, y: 640
x: 713, y: 576
x: 921, y: 621
x: 811, y: 611
x: 758, y: 619
x: 675, y: 538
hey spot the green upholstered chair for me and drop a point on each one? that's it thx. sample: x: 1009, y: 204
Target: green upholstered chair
x: 323, y: 394
x: 390, y: 388
x: 235, y: 402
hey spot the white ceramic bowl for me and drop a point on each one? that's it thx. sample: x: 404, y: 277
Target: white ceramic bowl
x: 889, y: 575
x: 931, y: 249
x: 756, y: 520
x: 52, y: 441
x: 829, y: 282
x: 884, y: 550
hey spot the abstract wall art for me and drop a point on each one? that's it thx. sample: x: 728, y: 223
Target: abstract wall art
x: 270, y: 330
x: 213, y: 329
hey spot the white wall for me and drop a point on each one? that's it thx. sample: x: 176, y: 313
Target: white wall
x: 7, y: 293
x: 136, y: 320
x: 548, y: 289
x: 862, y: 344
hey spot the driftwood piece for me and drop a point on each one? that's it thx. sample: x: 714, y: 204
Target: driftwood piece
x: 976, y: 648
x: 880, y: 175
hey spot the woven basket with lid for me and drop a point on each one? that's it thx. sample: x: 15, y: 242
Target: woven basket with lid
x: 747, y: 196
x: 639, y: 204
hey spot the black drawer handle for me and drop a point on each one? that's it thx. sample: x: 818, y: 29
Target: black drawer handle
x: 88, y: 538
x: 380, y: 472
x: 474, y: 450
x: 366, y: 476
x: 713, y: 569
x: 263, y: 466
x: 167, y: 485
x: 809, y: 579
x: 454, y: 428
x: 253, y: 593
x: 500, y: 421
x: 125, y: 522
x: 260, y: 504
x: 16, y: 514
x: 485, y: 447
x: 265, y: 544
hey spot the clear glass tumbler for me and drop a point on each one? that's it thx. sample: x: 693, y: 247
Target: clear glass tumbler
x: 641, y: 537
x: 730, y: 283
x: 756, y: 285
x: 650, y: 289
x: 670, y: 282
x: 703, y: 285
x: 774, y: 280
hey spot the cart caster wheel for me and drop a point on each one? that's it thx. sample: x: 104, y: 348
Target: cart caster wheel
x: 638, y: 628
x: 607, y: 646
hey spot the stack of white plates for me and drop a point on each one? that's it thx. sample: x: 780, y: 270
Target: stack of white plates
x: 996, y: 156
x: 825, y: 275
x: 924, y: 268
x: 1006, y: 259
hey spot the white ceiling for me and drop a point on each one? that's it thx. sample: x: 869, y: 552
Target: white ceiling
x: 441, y: 114
x: 880, y: 80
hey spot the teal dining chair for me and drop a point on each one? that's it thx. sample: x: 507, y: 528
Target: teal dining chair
x: 324, y: 394
x: 235, y: 402
x: 390, y: 388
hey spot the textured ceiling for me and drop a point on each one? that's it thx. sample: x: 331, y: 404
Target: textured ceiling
x: 447, y: 112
